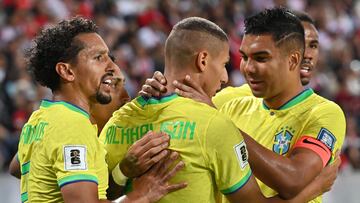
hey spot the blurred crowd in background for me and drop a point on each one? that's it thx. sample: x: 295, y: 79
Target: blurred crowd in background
x: 135, y: 31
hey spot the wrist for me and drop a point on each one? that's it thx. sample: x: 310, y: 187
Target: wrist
x: 118, y: 177
x: 129, y: 160
x: 138, y: 198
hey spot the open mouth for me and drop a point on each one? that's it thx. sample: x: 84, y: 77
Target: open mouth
x: 109, y: 81
x: 306, y: 67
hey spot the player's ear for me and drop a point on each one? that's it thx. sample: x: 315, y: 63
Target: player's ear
x: 202, y: 60
x: 294, y: 60
x: 65, y: 71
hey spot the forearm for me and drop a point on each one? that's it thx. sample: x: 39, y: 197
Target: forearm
x: 14, y: 167
x: 309, y: 193
x: 114, y: 190
x: 131, y: 198
x: 281, y: 173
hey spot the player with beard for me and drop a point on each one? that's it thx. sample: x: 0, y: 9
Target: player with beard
x: 60, y: 156
x: 291, y: 130
x: 213, y: 150
x: 311, y: 55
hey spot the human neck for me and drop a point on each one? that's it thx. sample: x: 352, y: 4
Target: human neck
x: 74, y: 97
x: 172, y: 74
x: 283, y: 97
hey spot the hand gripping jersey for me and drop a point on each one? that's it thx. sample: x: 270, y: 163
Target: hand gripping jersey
x: 211, y: 146
x: 229, y: 93
x: 307, y: 114
x: 58, y: 146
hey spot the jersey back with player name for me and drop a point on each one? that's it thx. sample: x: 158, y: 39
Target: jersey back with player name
x: 57, y: 147
x: 307, y: 114
x: 211, y: 146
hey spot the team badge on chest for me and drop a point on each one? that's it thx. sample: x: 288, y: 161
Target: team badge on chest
x: 282, y: 141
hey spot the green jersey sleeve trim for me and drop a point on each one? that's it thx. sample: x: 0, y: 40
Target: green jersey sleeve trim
x: 155, y: 100
x: 295, y: 100
x: 77, y: 178
x: 25, y: 168
x: 47, y: 103
x: 238, y: 185
x: 24, y: 197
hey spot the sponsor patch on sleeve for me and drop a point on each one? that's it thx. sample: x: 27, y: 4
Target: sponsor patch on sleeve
x: 75, y: 157
x: 242, y: 154
x: 326, y: 137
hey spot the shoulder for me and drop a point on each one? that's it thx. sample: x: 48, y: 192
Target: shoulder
x: 320, y: 105
x: 230, y: 93
x: 243, y: 104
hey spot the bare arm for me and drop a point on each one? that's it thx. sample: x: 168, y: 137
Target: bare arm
x: 154, y: 86
x: 145, y: 153
x: 250, y: 192
x: 14, y: 167
x: 283, y: 174
x: 287, y: 175
x: 323, y: 182
x: 148, y: 188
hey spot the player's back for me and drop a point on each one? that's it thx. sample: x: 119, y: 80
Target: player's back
x: 51, y: 156
x: 208, y: 143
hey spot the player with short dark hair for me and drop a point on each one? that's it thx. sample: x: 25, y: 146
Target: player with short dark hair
x: 302, y: 128
x: 310, y: 58
x: 60, y: 155
x: 210, y: 145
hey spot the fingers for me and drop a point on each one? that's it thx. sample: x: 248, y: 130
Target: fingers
x: 168, y: 162
x: 152, y: 135
x: 175, y: 187
x: 155, y: 151
x: 149, y: 89
x: 183, y: 90
x: 155, y: 144
x: 157, y: 159
x: 182, y: 86
x: 192, y: 83
x: 160, y: 77
x: 337, y: 153
x: 173, y: 171
x: 337, y: 162
x: 156, y: 85
x: 192, y: 90
x: 144, y: 94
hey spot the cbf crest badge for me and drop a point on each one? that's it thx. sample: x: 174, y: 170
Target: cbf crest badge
x: 282, y: 140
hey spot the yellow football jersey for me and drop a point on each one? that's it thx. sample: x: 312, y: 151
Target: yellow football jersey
x: 59, y: 146
x: 307, y: 114
x: 229, y: 93
x: 211, y: 146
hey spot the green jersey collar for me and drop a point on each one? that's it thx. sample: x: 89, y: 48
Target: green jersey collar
x: 295, y: 100
x: 155, y: 100
x: 47, y: 103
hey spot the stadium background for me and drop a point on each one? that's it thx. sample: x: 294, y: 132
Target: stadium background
x: 135, y: 31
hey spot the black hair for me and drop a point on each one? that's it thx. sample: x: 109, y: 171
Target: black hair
x: 304, y: 17
x: 191, y: 35
x: 56, y: 44
x: 201, y: 25
x: 280, y: 23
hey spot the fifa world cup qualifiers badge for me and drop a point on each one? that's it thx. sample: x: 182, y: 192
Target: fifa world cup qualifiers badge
x: 75, y: 157
x: 242, y: 154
